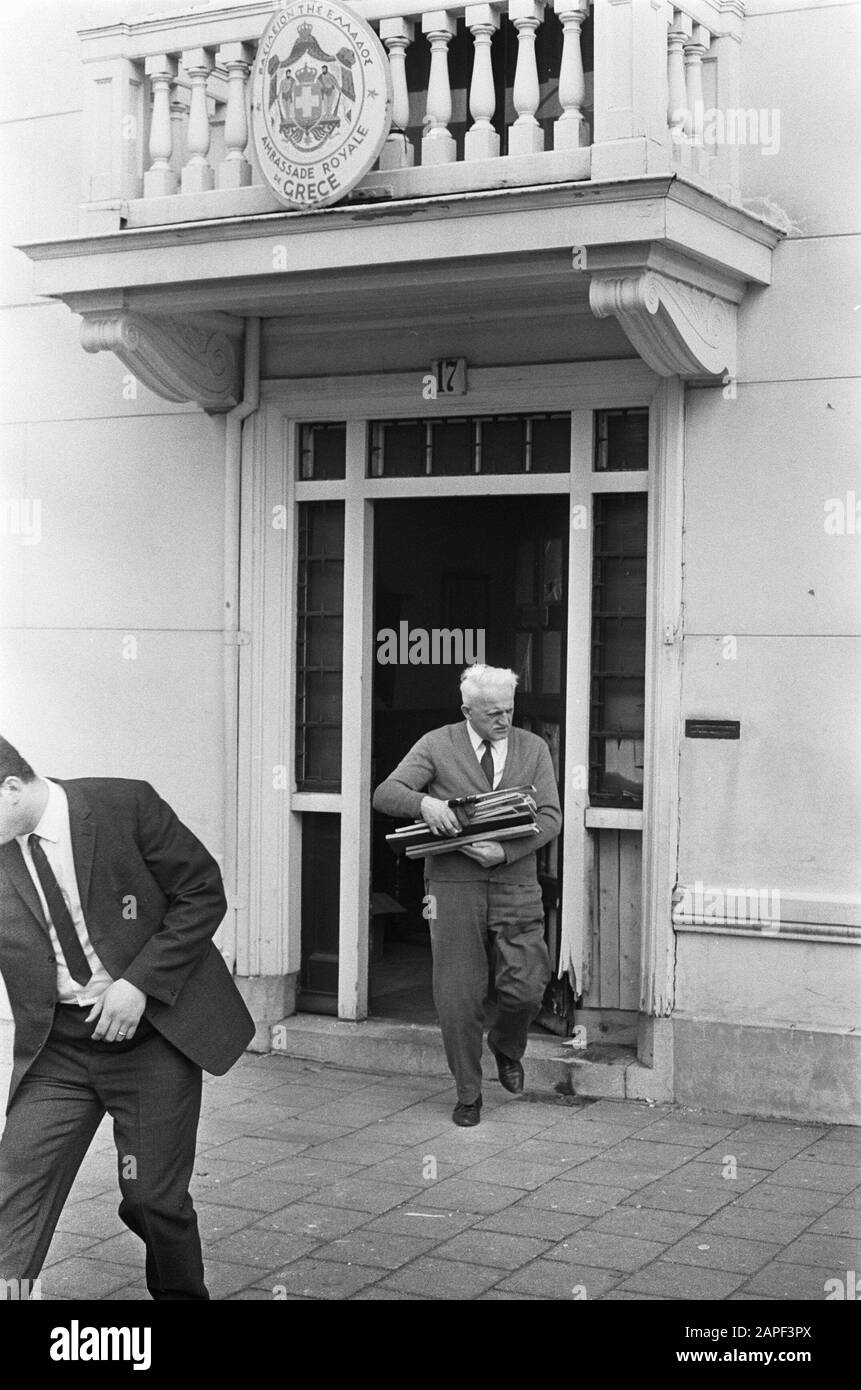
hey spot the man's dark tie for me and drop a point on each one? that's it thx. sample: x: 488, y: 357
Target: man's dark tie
x: 487, y: 763
x: 61, y: 920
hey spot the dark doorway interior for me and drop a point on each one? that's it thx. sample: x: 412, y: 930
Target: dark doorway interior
x: 493, y: 565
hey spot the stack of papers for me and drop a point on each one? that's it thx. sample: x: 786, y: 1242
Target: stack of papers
x: 498, y: 815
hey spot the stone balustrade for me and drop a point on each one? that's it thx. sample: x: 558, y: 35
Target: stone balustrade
x: 484, y: 96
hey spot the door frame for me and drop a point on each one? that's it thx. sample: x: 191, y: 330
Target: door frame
x: 268, y: 927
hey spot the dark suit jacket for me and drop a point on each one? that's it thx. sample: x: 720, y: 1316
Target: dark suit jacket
x: 443, y: 764
x: 152, y: 899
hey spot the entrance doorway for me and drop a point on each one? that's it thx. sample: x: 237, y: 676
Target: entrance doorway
x: 488, y: 577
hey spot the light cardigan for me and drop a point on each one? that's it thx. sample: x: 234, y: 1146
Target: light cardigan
x: 443, y: 764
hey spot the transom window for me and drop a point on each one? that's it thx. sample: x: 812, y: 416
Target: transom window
x: 482, y: 444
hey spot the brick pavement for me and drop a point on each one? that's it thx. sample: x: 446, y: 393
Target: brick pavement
x: 314, y: 1182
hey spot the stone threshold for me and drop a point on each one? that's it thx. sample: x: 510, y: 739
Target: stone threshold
x: 413, y: 1049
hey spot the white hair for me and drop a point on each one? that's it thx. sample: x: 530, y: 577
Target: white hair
x: 478, y: 680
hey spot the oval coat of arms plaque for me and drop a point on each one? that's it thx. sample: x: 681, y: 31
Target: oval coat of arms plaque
x: 321, y: 102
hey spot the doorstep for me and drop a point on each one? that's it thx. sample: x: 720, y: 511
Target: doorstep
x: 415, y: 1049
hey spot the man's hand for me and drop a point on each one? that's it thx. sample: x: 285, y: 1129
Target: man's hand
x: 439, y: 816
x: 485, y: 852
x: 119, y: 1012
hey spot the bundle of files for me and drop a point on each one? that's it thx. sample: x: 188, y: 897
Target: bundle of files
x: 499, y: 815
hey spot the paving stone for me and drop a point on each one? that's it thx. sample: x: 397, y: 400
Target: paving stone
x: 639, y: 1149
x: 375, y: 1248
x: 608, y: 1173
x: 673, y: 1196
x: 65, y: 1244
x: 314, y: 1278
x: 122, y: 1249
x: 784, y: 1281
x: 830, y: 1150
x: 463, y: 1146
x: 587, y: 1134
x: 851, y: 1199
x: 296, y: 1130
x: 493, y: 1248
x: 257, y: 1295
x: 601, y: 1250
x: 762, y: 1156
x: 255, y: 1245
x: 771, y: 1196
x: 253, y: 1152
x: 506, y: 1171
x: 256, y: 1194
x: 310, y: 1171
x: 780, y: 1131
x: 849, y: 1134
x: 131, y: 1293
x: 635, y: 1113
x: 430, y: 1225
x: 686, y: 1132
x: 839, y: 1221
x: 400, y: 1130
x: 824, y: 1177
x: 354, y: 1148
x: 313, y: 1220
x: 83, y: 1278
x: 374, y: 1294
x: 416, y: 1169
x: 554, y: 1279
x: 621, y: 1296
x: 216, y: 1220
x: 753, y: 1224
x: 646, y: 1223
x: 362, y: 1194
x: 94, y: 1217
x: 683, y: 1281
x: 544, y: 1150
x: 833, y: 1252
x: 714, y: 1251
x: 699, y: 1174
x: 210, y: 1171
x: 501, y: 1296
x: 225, y: 1277
x: 533, y: 1221
x: 588, y: 1199
x: 442, y: 1279
x: 459, y: 1194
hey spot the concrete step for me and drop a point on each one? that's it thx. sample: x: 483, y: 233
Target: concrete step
x: 412, y: 1049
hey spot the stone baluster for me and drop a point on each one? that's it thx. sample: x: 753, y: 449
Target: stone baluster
x: 160, y: 179
x: 481, y: 141
x: 677, y: 111
x: 234, y: 171
x: 397, y: 35
x: 197, y: 176
x: 571, y: 131
x: 438, y: 146
x: 526, y: 135
x: 695, y: 50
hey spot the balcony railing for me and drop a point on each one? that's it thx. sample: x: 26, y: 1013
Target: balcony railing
x: 519, y: 92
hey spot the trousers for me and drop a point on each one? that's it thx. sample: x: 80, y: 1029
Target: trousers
x: 152, y: 1093
x: 487, y: 939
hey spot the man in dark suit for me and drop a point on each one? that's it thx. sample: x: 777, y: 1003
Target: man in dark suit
x: 108, y: 904
x: 486, y: 905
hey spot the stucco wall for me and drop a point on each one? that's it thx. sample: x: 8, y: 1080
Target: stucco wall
x: 780, y: 808
x: 129, y: 542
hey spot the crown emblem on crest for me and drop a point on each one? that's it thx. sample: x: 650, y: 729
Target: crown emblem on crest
x: 306, y: 75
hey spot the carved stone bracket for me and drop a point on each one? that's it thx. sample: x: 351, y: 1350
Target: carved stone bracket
x: 182, y: 359
x: 676, y: 328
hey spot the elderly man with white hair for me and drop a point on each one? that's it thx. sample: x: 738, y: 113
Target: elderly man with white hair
x: 486, y: 907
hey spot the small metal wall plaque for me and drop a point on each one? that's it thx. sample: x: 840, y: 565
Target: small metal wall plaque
x: 712, y: 728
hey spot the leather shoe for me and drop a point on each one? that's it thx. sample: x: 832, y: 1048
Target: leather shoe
x: 510, y: 1072
x: 468, y: 1114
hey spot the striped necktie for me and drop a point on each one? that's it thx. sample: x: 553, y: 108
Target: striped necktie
x: 487, y: 763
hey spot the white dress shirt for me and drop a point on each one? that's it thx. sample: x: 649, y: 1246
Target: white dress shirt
x: 53, y: 830
x: 498, y: 751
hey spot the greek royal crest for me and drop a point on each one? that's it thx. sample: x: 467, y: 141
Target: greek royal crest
x: 321, y: 102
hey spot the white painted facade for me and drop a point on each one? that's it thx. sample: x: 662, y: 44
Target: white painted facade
x: 117, y: 656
